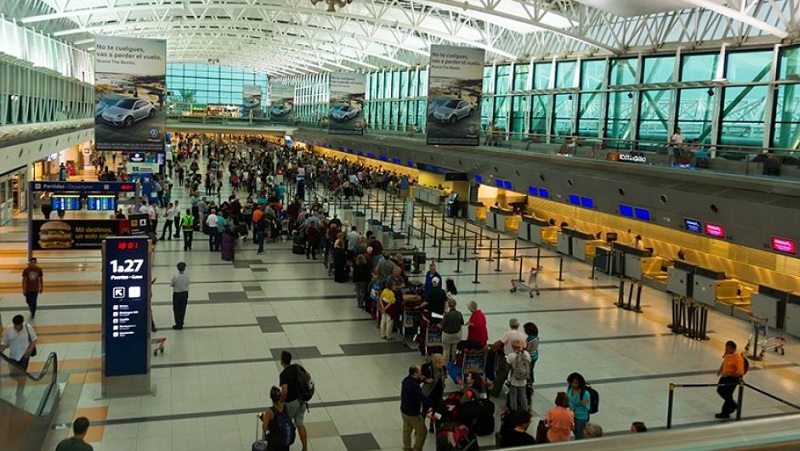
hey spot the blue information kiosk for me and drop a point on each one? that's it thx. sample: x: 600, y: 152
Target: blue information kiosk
x: 126, y: 317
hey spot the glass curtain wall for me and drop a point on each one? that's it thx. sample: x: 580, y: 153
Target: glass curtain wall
x: 626, y: 98
x: 202, y: 84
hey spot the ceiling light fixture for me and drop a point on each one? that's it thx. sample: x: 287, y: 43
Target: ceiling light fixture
x: 332, y: 4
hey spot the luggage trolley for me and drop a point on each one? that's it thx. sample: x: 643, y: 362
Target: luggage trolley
x: 410, y: 325
x: 158, y: 345
x: 474, y: 361
x: 765, y: 344
x: 531, y: 285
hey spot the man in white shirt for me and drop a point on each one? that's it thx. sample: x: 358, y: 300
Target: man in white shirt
x: 169, y: 219
x: 20, y: 340
x: 676, y: 140
x: 153, y: 213
x: 353, y: 239
x: 507, y: 343
x: 213, y: 233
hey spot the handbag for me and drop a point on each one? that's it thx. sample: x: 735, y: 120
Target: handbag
x: 33, y: 352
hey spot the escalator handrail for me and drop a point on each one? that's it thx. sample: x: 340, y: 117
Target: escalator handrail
x: 52, y: 359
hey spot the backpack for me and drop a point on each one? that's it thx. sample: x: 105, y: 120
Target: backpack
x: 281, y: 429
x: 522, y: 366
x: 594, y: 399
x: 305, y: 386
x: 746, y: 364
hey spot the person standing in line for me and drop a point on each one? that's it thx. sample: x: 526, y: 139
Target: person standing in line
x: 452, y: 323
x: 730, y: 372
x: 20, y: 340
x: 532, y: 331
x: 519, y: 435
x: 187, y: 224
x: 519, y: 362
x: 180, y: 295
x: 290, y: 380
x: 560, y: 420
x: 169, y: 218
x: 77, y: 442
x: 388, y: 308
x: 506, y: 342
x: 152, y: 213
x: 477, y: 332
x: 270, y: 422
x: 177, y: 216
x: 579, y: 402
x: 32, y: 285
x: 412, y: 403
x: 212, y: 222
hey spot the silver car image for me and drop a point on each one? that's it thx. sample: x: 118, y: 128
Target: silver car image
x: 452, y: 110
x: 126, y: 112
x: 344, y: 113
x: 280, y: 110
x: 436, y: 103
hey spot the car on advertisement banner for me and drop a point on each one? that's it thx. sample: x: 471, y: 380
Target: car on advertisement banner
x: 344, y: 113
x: 128, y: 111
x: 452, y: 111
x: 280, y: 110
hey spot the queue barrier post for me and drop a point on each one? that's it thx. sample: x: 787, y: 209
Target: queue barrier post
x: 560, y: 268
x: 475, y: 246
x: 521, y: 259
x: 466, y: 246
x: 475, y: 281
x: 621, y: 294
x: 435, y: 233
x: 514, y: 258
x: 424, y: 235
x: 439, y: 254
x: 458, y: 261
x: 451, y: 243
x: 491, y: 248
x: 670, y: 404
x: 497, y: 269
x: 538, y: 256
x: 739, y: 399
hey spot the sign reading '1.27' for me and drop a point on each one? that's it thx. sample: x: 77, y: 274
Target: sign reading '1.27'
x: 126, y: 273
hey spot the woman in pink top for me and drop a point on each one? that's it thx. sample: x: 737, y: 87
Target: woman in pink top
x: 560, y: 419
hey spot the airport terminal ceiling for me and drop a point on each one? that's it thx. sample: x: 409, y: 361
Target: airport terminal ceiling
x: 295, y: 37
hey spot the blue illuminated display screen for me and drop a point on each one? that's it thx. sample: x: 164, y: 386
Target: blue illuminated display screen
x: 544, y: 193
x: 574, y: 199
x: 370, y: 155
x: 101, y: 203
x: 478, y: 179
x: 587, y: 202
x: 507, y: 184
x: 126, y: 318
x: 626, y: 210
x: 533, y: 191
x: 642, y: 214
x: 359, y: 153
x: 65, y: 202
x: 693, y: 225
x: 410, y: 164
x: 384, y: 158
x: 498, y: 183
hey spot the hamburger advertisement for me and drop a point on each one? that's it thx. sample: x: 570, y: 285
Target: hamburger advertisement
x: 75, y: 234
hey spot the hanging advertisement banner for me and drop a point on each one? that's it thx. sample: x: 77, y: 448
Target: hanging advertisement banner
x: 75, y: 234
x: 130, y: 93
x: 251, y: 107
x: 282, y: 103
x: 454, y: 95
x: 346, y: 108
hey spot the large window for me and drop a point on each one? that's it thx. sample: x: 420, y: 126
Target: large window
x: 541, y: 75
x: 563, y: 111
x: 593, y: 73
x: 654, y: 115
x: 539, y: 114
x: 786, y: 132
x: 620, y: 108
x: 203, y: 84
x: 521, y: 72
x: 623, y: 72
x: 695, y: 109
x: 699, y: 67
x: 743, y: 115
x: 565, y: 74
x: 659, y: 69
x: 589, y: 113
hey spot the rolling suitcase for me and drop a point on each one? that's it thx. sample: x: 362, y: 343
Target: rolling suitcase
x: 478, y: 415
x: 228, y: 246
x: 260, y: 444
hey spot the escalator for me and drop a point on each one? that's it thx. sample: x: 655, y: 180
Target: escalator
x: 28, y: 403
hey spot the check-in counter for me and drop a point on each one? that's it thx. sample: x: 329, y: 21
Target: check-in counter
x: 476, y: 212
x: 792, y: 322
x: 536, y: 230
x: 680, y: 278
x: 564, y: 243
x: 496, y: 217
x: 512, y: 223
x: 428, y: 195
x: 770, y: 303
x: 583, y: 245
x: 603, y: 259
x: 632, y: 261
x: 709, y: 285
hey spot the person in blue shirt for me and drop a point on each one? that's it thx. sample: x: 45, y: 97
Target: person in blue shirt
x: 412, y: 403
x: 429, y: 276
x: 579, y: 402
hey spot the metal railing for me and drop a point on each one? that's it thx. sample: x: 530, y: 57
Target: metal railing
x: 50, y: 368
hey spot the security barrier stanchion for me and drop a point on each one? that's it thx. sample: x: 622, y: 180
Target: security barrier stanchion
x: 475, y: 281
x: 408, y: 236
x: 424, y: 235
x: 638, y: 308
x: 621, y: 295
x: 670, y: 403
x: 475, y: 246
x: 739, y: 400
x: 439, y: 255
x: 521, y: 259
x: 435, y: 231
x: 538, y: 256
x: 491, y: 251
x: 466, y: 244
x: 499, y: 252
x: 497, y: 269
x: 560, y: 268
x: 451, y: 243
x: 514, y: 258
x: 458, y: 261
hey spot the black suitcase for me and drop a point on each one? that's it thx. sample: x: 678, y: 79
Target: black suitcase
x: 299, y: 245
x: 478, y: 416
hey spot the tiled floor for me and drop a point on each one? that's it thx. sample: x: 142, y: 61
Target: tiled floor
x: 215, y: 374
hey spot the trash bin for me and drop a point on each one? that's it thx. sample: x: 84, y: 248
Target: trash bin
x: 360, y: 219
x: 418, y: 261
